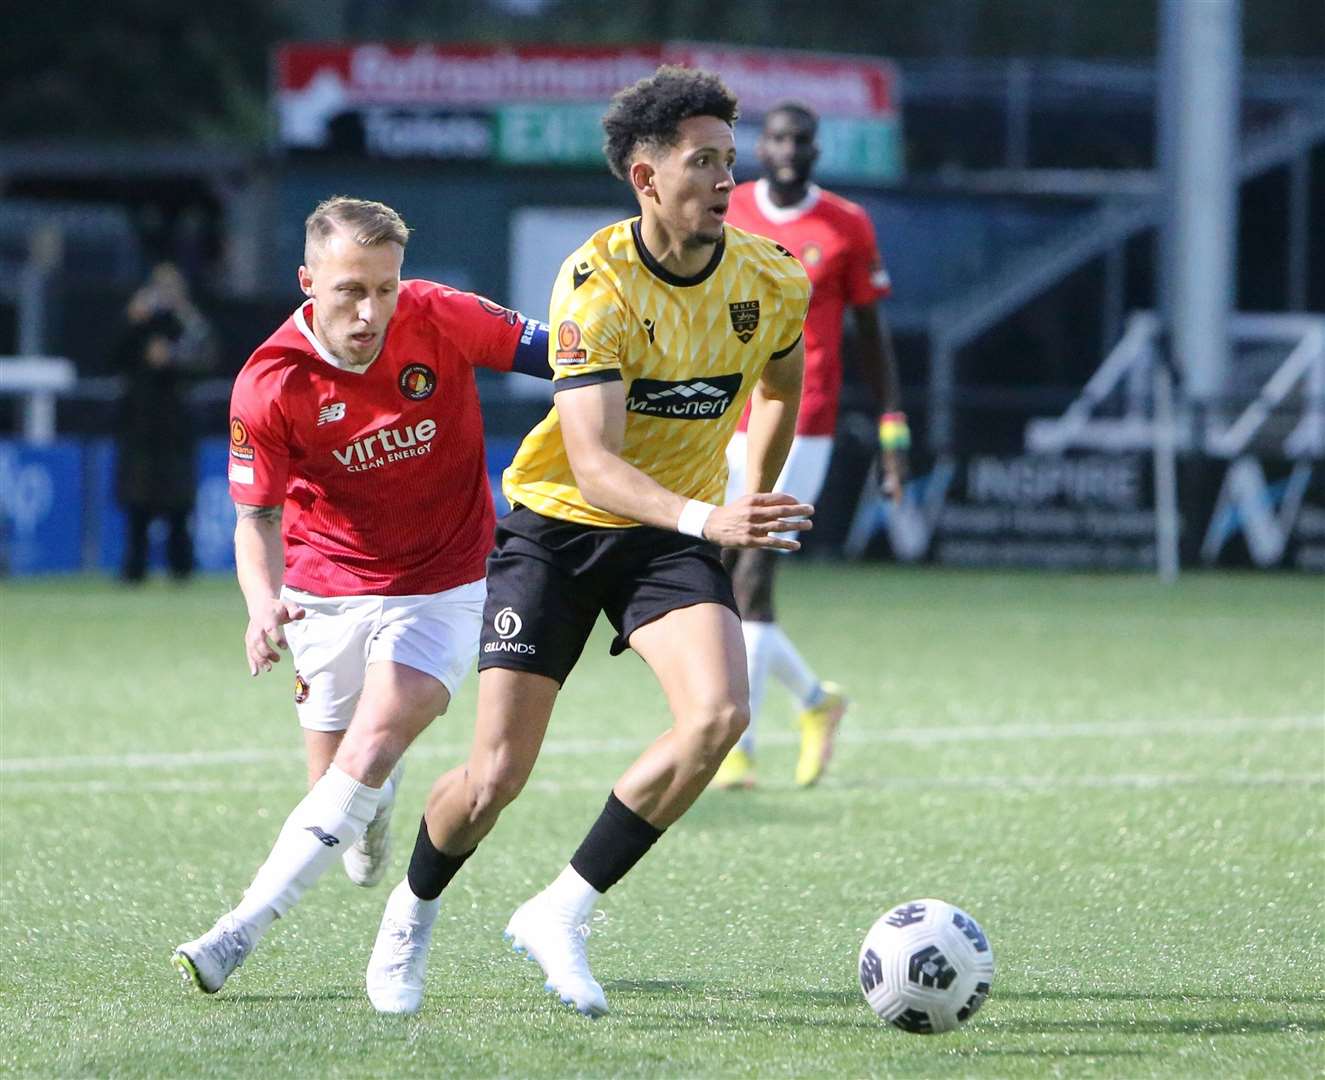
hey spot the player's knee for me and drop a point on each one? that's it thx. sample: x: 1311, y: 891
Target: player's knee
x: 491, y: 790
x: 736, y: 718
x: 719, y: 726
x: 369, y: 756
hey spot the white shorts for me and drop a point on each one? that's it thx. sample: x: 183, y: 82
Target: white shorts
x: 803, y: 474
x: 339, y: 636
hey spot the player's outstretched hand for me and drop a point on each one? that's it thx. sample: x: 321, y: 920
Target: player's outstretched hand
x: 264, y: 634
x: 751, y: 521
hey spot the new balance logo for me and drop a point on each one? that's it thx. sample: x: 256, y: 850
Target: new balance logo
x: 329, y: 414
x: 323, y: 837
x: 686, y: 399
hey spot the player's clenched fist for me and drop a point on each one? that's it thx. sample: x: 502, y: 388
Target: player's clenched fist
x: 752, y: 521
x: 264, y: 634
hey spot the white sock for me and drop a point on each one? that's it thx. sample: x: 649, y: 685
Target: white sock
x: 758, y: 655
x: 574, y: 893
x: 330, y: 818
x: 403, y: 902
x: 387, y: 799
x: 790, y: 668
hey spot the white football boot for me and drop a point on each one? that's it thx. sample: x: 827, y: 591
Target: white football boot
x: 554, y: 936
x: 366, y: 859
x: 399, y: 964
x: 207, y: 962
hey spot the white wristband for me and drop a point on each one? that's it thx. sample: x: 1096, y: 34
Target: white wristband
x: 693, y: 518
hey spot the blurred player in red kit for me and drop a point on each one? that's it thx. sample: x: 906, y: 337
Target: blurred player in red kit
x: 365, y: 517
x: 834, y: 240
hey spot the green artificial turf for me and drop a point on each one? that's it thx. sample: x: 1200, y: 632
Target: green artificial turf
x: 1124, y: 783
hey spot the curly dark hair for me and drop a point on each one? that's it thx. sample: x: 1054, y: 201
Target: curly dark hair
x: 649, y: 113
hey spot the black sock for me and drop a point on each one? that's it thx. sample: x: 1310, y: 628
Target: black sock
x: 431, y: 870
x: 617, y: 841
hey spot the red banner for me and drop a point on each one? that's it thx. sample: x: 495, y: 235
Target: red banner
x: 461, y: 76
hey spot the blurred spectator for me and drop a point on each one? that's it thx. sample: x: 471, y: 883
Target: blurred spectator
x: 165, y: 343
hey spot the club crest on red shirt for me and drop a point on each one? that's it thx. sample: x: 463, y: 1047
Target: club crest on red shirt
x: 417, y: 381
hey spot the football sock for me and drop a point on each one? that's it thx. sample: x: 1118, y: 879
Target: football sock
x: 789, y: 668
x: 815, y: 698
x: 571, y: 892
x: 617, y: 841
x: 388, y: 797
x: 430, y: 868
x: 759, y: 646
x: 331, y: 816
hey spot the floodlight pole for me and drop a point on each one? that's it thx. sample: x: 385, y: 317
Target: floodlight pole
x: 1198, y: 121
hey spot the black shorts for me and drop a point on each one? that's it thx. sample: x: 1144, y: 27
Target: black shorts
x: 549, y: 579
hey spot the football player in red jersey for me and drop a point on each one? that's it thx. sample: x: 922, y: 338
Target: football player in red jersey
x: 834, y: 240
x: 358, y: 471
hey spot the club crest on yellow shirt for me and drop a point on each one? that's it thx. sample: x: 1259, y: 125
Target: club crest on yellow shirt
x: 745, y: 318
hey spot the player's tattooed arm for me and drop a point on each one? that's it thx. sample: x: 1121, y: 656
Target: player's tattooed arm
x: 259, y: 565
x: 261, y: 513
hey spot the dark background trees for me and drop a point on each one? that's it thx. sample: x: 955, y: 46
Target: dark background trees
x: 163, y: 70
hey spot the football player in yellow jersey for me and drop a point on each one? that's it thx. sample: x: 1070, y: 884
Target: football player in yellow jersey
x: 664, y: 327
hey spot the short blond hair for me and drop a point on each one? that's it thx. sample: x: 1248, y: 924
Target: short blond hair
x: 368, y: 222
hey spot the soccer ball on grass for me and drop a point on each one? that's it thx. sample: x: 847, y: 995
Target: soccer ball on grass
x: 926, y: 967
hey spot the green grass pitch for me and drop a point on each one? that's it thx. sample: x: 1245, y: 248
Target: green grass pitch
x: 1124, y: 783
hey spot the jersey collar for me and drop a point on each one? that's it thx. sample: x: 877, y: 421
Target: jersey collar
x: 781, y: 215
x: 301, y: 323
x: 662, y: 273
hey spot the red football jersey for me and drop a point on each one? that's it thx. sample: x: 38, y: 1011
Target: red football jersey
x: 381, y: 471
x: 834, y: 240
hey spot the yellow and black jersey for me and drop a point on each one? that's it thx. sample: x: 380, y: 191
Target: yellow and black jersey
x: 689, y: 350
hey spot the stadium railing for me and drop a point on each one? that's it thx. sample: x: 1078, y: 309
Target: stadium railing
x: 37, y: 381
x: 1285, y: 414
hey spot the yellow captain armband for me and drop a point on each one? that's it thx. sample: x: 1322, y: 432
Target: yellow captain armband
x: 893, y: 432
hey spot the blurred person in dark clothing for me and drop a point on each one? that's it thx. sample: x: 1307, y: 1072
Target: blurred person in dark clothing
x: 164, y: 345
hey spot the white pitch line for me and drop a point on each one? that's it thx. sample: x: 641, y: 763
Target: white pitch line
x: 1028, y: 782
x: 1016, y: 782
x: 915, y: 736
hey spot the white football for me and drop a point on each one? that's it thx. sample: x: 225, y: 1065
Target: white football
x: 926, y: 967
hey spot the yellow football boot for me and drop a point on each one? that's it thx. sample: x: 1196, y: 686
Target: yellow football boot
x: 736, y: 771
x: 818, y: 733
